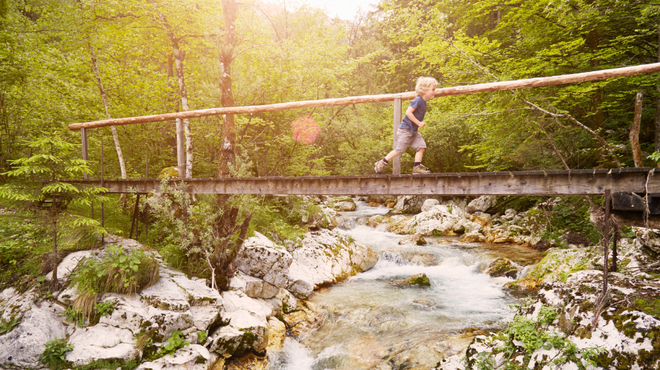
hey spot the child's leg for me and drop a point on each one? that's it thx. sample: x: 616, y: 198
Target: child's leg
x: 419, y: 155
x: 391, y: 155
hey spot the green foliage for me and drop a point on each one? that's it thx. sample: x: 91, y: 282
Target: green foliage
x: 8, y: 325
x: 117, y: 271
x: 175, y: 342
x: 104, y: 308
x: 75, y: 315
x: 201, y: 336
x: 188, y: 234
x: 571, y: 213
x: 282, y: 219
x: 54, y: 355
x: 524, y: 335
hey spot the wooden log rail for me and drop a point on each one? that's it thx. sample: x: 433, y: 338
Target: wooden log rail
x: 447, y: 91
x: 548, y: 183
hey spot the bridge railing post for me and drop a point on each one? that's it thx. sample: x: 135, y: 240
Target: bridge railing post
x: 396, y: 162
x: 180, y: 149
x: 83, y: 134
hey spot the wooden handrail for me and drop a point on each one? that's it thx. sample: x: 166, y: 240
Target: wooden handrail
x: 447, y: 91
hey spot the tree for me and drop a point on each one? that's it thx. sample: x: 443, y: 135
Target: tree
x: 38, y: 188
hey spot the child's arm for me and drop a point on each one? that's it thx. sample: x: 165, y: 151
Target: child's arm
x: 411, y: 116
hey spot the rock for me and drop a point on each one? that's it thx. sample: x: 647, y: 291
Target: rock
x: 483, y: 219
x: 276, y: 335
x: 416, y: 239
x: 101, y: 342
x: 249, y: 361
x: 247, y: 325
x: 419, y: 279
x: 397, y: 224
x: 68, y: 264
x: 420, y: 258
x: 428, y: 204
x: 481, y: 204
x: 374, y: 221
x: 381, y: 199
x: 474, y: 237
x: 440, y: 219
x: 13, y: 304
x: 345, y: 205
x: 365, y: 352
x: 408, y: 204
x: 253, y: 287
x: 22, y: 347
x: 261, y: 258
x: 192, y: 357
x: 326, y: 257
x: 502, y: 267
x: 305, y: 320
x: 174, y: 303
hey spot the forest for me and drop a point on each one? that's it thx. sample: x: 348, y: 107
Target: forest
x: 66, y: 61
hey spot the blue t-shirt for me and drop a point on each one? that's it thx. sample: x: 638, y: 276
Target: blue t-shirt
x: 420, y: 110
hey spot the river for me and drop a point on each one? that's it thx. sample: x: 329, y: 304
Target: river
x: 375, y: 324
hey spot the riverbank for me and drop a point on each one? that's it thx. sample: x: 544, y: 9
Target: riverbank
x: 180, y: 321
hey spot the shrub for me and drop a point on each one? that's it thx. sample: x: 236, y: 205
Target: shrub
x: 117, y: 272
x: 197, y: 234
x: 524, y: 335
x: 54, y: 355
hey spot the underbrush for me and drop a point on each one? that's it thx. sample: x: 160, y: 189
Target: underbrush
x: 118, y: 271
x: 26, y: 246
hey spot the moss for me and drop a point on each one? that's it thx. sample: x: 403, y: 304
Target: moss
x: 110, y: 365
x: 649, y: 306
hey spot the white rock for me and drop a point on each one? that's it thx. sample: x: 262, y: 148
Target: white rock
x: 429, y: 203
x: 193, y: 357
x: 68, y: 264
x: 481, y: 204
x: 22, y: 347
x: 261, y: 258
x: 247, y: 325
x: 100, y: 342
x: 15, y: 304
x: 253, y: 287
x: 166, y: 294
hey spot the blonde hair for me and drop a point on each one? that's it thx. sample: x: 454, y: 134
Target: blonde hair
x: 424, y: 83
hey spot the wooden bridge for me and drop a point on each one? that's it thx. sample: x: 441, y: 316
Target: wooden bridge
x: 548, y: 183
x: 569, y: 182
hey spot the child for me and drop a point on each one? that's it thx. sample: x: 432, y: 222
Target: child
x: 407, y: 135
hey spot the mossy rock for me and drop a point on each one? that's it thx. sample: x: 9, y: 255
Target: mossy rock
x: 420, y: 280
x: 502, y: 267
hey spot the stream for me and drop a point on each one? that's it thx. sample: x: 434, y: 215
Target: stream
x: 375, y: 324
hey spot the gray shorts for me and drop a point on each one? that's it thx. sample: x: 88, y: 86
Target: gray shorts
x: 405, y: 139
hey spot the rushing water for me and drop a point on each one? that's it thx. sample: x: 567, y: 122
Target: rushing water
x: 375, y: 324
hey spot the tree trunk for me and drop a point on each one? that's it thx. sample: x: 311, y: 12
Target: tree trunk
x: 634, y: 131
x: 115, y: 135
x: 657, y: 106
x: 54, y: 283
x: 179, y: 56
x: 229, y: 8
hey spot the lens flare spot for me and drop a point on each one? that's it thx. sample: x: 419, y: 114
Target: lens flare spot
x: 305, y: 130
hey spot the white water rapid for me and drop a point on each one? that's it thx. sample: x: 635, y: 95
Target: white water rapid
x: 374, y: 324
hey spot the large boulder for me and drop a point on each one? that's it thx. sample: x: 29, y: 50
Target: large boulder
x: 408, y: 204
x: 481, y: 204
x: 22, y: 347
x: 262, y: 258
x: 327, y: 257
x: 101, y: 342
x: 247, y: 325
x: 441, y: 220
